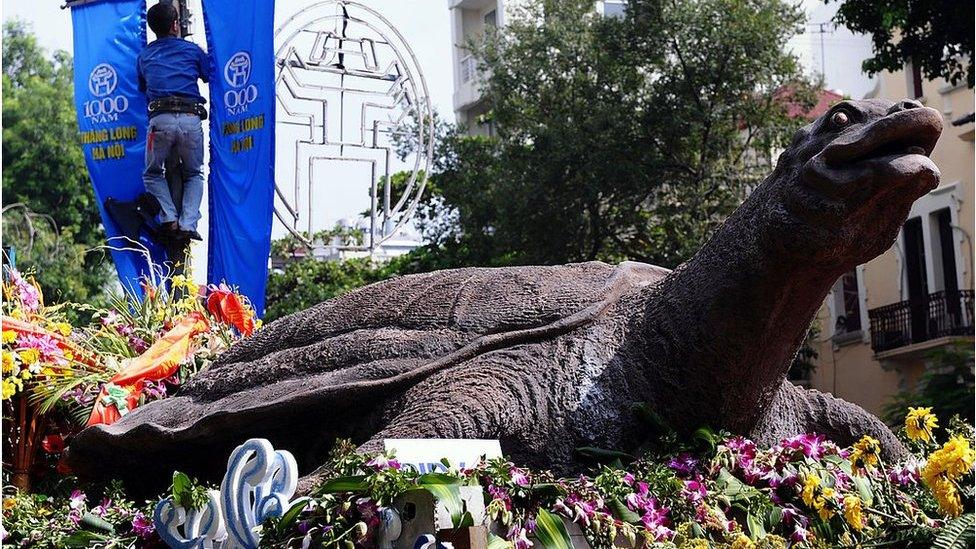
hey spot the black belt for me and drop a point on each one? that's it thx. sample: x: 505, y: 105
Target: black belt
x: 176, y: 105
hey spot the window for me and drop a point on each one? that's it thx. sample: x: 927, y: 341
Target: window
x: 848, y: 302
x: 491, y: 19
x: 615, y: 8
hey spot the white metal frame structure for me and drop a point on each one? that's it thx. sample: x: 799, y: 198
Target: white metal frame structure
x: 331, y: 57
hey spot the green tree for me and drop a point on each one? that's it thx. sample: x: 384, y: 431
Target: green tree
x: 44, y: 169
x: 628, y: 138
x: 936, y: 35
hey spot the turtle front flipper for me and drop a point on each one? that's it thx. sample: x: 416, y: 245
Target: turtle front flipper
x: 795, y: 410
x: 499, y: 395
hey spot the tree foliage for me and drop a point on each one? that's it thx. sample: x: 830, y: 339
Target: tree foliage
x: 946, y: 386
x: 935, y: 35
x: 44, y: 169
x: 616, y: 138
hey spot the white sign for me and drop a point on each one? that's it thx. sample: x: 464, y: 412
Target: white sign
x: 425, y: 454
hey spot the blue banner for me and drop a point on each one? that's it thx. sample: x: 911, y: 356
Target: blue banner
x: 108, y: 36
x: 240, y: 41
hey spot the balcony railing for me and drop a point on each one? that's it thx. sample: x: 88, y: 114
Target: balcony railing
x: 469, y: 68
x: 940, y: 314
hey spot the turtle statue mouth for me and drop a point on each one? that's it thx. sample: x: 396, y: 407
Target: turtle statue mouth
x: 908, y: 132
x: 871, y: 162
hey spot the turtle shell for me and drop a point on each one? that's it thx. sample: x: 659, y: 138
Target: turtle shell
x: 326, y: 371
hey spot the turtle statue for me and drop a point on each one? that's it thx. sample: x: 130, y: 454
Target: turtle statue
x: 549, y: 359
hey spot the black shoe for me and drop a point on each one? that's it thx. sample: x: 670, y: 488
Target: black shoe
x: 191, y: 235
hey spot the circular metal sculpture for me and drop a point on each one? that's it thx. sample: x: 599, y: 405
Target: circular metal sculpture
x: 350, y: 88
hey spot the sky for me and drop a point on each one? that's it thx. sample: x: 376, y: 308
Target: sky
x: 342, y: 188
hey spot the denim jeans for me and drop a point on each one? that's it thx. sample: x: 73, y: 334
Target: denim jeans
x: 183, y: 134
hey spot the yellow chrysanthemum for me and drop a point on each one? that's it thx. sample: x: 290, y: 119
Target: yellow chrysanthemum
x: 821, y: 503
x: 953, y: 460
x: 29, y: 356
x: 853, y: 512
x: 865, y: 452
x: 946, y: 495
x: 9, y: 503
x: 919, y: 423
x: 945, y: 465
x: 743, y: 542
x: 8, y: 388
x: 8, y: 362
x: 64, y: 328
x: 9, y: 336
x: 810, y: 485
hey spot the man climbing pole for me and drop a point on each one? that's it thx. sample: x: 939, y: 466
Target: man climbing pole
x: 168, y: 70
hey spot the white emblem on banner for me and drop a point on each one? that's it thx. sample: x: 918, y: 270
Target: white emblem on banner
x: 237, y: 72
x: 105, y: 107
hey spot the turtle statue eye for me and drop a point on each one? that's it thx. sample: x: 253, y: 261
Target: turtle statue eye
x: 840, y: 119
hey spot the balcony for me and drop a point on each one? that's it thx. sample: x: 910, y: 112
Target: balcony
x: 942, y: 315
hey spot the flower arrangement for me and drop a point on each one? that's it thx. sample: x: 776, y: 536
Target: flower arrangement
x: 35, y: 520
x: 805, y: 491
x: 58, y: 377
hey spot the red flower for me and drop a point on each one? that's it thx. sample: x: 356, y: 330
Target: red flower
x: 53, y: 444
x: 226, y: 307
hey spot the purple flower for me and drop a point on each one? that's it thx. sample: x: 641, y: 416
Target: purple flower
x: 142, y: 525
x: 519, y: 477
x: 800, y: 535
x: 26, y: 292
x: 904, y: 474
x: 382, y: 462
x: 103, y: 507
x: 74, y: 516
x: 792, y: 516
x: 810, y: 445
x: 111, y: 318
x: 497, y: 492
x: 683, y: 464
x: 628, y: 479
x: 519, y: 537
x: 695, y: 490
x: 77, y: 500
x: 138, y: 344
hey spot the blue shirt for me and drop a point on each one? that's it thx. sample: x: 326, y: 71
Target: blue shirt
x: 171, y: 66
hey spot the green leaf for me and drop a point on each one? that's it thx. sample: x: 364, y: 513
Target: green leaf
x: 621, y: 511
x: 447, y: 490
x: 775, y: 517
x: 82, y: 538
x: 344, y: 484
x: 734, y: 488
x: 707, y: 437
x: 551, y: 532
x: 864, y: 489
x: 467, y: 521
x: 291, y: 515
x: 498, y: 542
x: 181, y: 483
x: 755, y: 525
x: 545, y: 489
x: 601, y: 455
x: 957, y: 534
x: 96, y: 522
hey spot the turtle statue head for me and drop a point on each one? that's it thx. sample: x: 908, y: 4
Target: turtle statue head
x: 848, y: 181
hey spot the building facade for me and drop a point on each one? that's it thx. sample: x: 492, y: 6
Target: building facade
x: 881, y: 321
x: 470, y: 19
